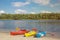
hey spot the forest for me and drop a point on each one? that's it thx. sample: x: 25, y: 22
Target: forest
x: 55, y: 16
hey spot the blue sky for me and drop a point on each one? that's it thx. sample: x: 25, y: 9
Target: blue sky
x: 29, y: 6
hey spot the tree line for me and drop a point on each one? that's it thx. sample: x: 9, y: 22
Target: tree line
x: 55, y: 16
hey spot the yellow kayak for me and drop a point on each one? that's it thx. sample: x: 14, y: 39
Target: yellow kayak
x: 31, y: 33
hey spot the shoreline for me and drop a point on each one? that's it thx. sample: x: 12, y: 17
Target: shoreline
x: 7, y: 36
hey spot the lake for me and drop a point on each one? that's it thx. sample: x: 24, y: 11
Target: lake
x: 41, y: 25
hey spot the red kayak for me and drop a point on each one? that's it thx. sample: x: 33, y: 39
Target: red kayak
x: 21, y: 32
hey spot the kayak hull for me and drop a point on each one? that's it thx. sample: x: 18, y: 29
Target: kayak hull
x: 40, y: 34
x: 21, y: 32
x: 31, y: 33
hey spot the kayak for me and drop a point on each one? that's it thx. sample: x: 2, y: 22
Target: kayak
x: 31, y: 33
x: 40, y: 34
x: 21, y: 32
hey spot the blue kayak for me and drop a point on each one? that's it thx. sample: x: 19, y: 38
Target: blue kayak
x: 40, y: 34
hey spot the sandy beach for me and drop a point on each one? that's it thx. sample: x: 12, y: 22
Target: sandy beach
x: 7, y: 36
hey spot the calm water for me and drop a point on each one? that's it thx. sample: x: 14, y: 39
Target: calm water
x: 42, y: 25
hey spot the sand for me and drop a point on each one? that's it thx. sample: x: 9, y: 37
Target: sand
x: 7, y: 36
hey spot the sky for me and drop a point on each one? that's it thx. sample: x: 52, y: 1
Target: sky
x: 29, y: 6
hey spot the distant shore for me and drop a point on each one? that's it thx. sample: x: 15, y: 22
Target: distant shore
x: 48, y: 16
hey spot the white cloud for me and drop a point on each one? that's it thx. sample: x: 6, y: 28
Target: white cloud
x: 46, y: 2
x: 43, y: 2
x: 45, y: 11
x: 51, y: 5
x: 1, y: 11
x: 20, y: 11
x: 57, y: 3
x: 54, y: 5
x: 19, y: 4
x: 32, y: 12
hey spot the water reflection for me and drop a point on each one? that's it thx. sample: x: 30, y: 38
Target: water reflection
x: 1, y: 23
x: 42, y: 25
